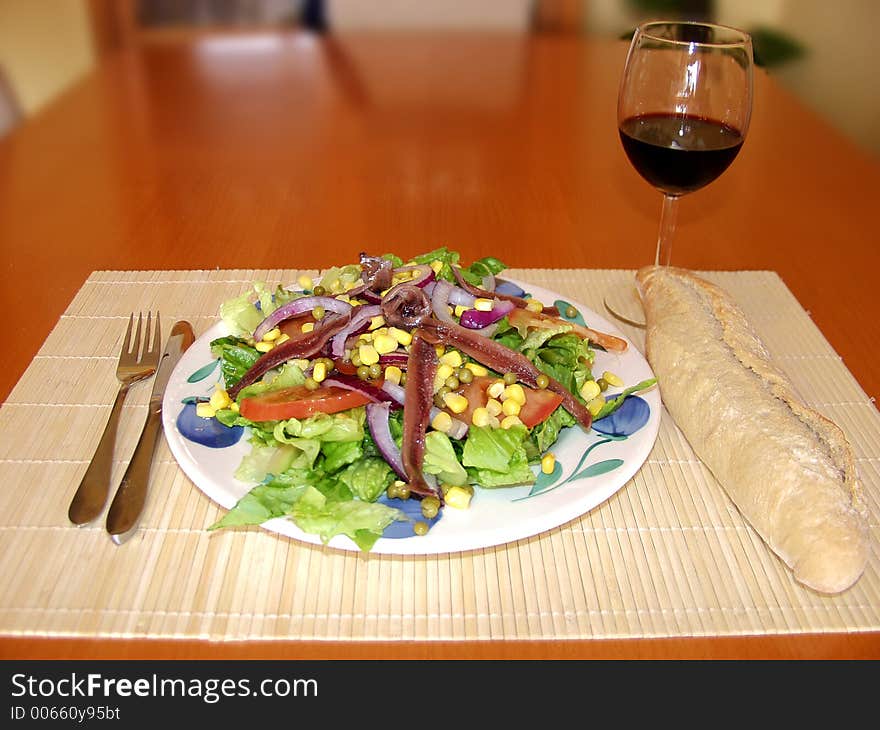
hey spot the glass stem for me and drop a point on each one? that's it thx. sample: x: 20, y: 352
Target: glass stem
x: 667, y: 230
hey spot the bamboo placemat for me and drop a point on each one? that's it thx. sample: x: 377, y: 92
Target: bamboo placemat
x: 668, y: 555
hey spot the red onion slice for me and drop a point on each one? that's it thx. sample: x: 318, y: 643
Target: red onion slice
x: 474, y: 319
x: 440, y: 301
x: 457, y: 431
x: 377, y: 422
x: 297, y: 307
x: 352, y: 382
x: 398, y: 357
x: 360, y: 317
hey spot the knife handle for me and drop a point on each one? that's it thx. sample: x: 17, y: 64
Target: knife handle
x: 91, y: 495
x: 128, y: 502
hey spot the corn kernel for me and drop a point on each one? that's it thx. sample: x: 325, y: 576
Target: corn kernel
x: 442, y: 422
x: 444, y: 371
x: 282, y: 338
x: 458, y: 497
x: 510, y: 407
x: 436, y: 266
x: 514, y: 392
x: 481, y: 417
x: 272, y: 335
x: 319, y: 372
x: 451, y: 358
x: 455, y: 402
x: 342, y: 297
x: 302, y: 364
x: 384, y: 344
x: 233, y: 407
x: 476, y: 369
x: 496, y: 389
x: 308, y: 327
x: 460, y: 309
x: 439, y: 349
x: 548, y: 463
x: 205, y: 410
x: 596, y: 405
x: 377, y: 322
x: 590, y: 390
x: 393, y: 374
x: 305, y: 282
x: 533, y: 305
x: 494, y: 407
x: 368, y: 354
x: 481, y: 304
x: 510, y: 421
x: 264, y: 346
x: 220, y: 399
x: 612, y: 379
x: 402, y: 336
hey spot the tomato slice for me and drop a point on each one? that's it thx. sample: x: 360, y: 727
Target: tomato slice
x: 300, y: 402
x: 540, y: 403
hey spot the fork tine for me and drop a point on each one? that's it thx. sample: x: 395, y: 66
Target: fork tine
x: 137, y: 337
x: 157, y: 337
x: 126, y: 342
x: 147, y: 341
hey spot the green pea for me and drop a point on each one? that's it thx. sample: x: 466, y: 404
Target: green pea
x: 542, y: 381
x: 465, y: 375
x: 510, y: 378
x: 319, y: 291
x: 375, y: 371
x: 571, y: 312
x: 312, y: 384
x: 451, y: 382
x: 318, y: 312
x: 430, y: 507
x: 363, y: 372
x: 421, y: 528
x: 603, y: 384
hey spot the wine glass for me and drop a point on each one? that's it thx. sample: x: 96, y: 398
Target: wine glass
x: 683, y: 111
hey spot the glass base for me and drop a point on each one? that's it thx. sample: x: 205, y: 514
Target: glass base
x: 626, y: 305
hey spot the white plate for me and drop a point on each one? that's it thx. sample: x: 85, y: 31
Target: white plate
x: 496, y: 516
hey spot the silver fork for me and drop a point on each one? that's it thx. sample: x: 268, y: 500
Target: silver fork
x: 137, y: 360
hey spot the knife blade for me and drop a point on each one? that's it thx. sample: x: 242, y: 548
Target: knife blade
x: 130, y: 497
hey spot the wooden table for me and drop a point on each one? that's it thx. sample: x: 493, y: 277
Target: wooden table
x: 271, y: 151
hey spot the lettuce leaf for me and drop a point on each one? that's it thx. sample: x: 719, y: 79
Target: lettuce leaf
x: 288, y: 376
x: 243, y: 313
x: 497, y: 457
x: 362, y: 521
x: 441, y: 460
x: 236, y: 358
x: 545, y: 434
x: 368, y: 478
x: 447, y: 260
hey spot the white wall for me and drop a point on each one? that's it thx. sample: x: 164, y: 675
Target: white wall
x: 45, y: 46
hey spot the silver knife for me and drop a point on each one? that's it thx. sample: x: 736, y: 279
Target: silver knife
x: 128, y: 503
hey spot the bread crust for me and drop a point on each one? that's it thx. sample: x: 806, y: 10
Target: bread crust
x: 789, y: 470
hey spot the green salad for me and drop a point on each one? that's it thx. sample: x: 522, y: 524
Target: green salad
x: 388, y: 391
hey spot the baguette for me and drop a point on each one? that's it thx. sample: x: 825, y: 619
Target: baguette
x: 789, y: 470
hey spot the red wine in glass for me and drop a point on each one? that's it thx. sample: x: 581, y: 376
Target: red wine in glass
x: 679, y: 153
x: 683, y: 112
